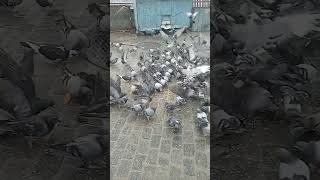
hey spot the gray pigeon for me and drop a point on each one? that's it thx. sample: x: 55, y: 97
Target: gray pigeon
x: 291, y: 167
x: 138, y: 108
x: 149, y: 112
x: 309, y: 151
x: 175, y: 123
x: 90, y: 147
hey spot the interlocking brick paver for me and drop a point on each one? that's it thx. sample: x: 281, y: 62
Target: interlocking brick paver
x: 188, y: 167
x: 152, y: 150
x: 201, y: 159
x: 135, y: 175
x: 149, y: 172
x: 155, y: 141
x: 188, y: 150
x: 143, y: 146
x: 146, y: 134
x: 153, y: 156
x: 176, y: 156
x: 130, y: 151
x: 124, y: 168
x: 177, y: 142
x: 138, y: 162
x: 175, y: 173
x: 165, y: 146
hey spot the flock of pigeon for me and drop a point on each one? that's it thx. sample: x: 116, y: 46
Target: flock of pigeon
x: 275, y: 80
x: 179, y: 64
x: 24, y: 114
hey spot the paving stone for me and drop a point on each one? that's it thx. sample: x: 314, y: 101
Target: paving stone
x: 153, y: 156
x: 146, y: 134
x: 188, y: 150
x: 177, y: 142
x: 200, y: 143
x: 138, y: 162
x: 143, y: 146
x: 202, y: 175
x: 175, y: 173
x: 176, y: 156
x: 126, y: 129
x: 113, y: 170
x: 122, y: 142
x: 124, y: 168
x: 118, y: 125
x: 189, y: 167
x: 137, y: 128
x: 167, y: 133
x: 114, y: 135
x: 188, y: 137
x: 165, y: 146
x: 155, y: 141
x: 134, y: 138
x: 135, y: 175
x: 201, y: 160
x: 157, y: 129
x: 164, y: 160
x: 149, y: 172
x: 115, y: 156
x: 161, y: 175
x: 130, y: 151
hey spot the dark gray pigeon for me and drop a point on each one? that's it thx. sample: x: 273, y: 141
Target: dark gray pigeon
x: 175, y: 123
x: 88, y: 148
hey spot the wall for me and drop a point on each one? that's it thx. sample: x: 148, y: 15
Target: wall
x: 123, y: 20
x: 202, y: 21
x: 150, y: 13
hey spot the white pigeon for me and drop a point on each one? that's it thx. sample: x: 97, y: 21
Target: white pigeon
x: 158, y: 86
x: 192, y: 15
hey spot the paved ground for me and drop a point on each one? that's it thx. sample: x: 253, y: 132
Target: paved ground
x: 150, y: 150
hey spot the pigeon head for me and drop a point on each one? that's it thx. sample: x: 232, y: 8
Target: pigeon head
x: 73, y: 53
x: 95, y: 10
x: 303, y: 147
x: 284, y: 155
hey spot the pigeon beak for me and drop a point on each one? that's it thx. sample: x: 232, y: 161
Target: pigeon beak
x: 67, y: 98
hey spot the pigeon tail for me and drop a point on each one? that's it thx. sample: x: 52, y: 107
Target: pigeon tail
x: 38, y: 105
x: 31, y: 45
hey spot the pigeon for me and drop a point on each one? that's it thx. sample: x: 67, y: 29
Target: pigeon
x: 291, y: 167
x: 113, y: 61
x: 310, y: 152
x: 224, y: 122
x: 45, y: 3
x: 126, y: 78
x: 138, y: 108
x: 53, y: 53
x: 180, y: 100
x: 149, y: 112
x: 175, y: 123
x: 88, y: 148
x: 11, y: 3
x: 27, y: 62
x: 102, y: 17
x: 74, y: 38
x: 202, y: 119
x: 17, y: 77
x: 76, y: 87
x: 192, y: 15
x: 170, y: 106
x: 158, y: 86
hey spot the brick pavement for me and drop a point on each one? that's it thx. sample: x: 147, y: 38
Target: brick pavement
x: 142, y: 150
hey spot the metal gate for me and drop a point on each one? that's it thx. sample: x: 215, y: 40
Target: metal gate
x: 201, y: 3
